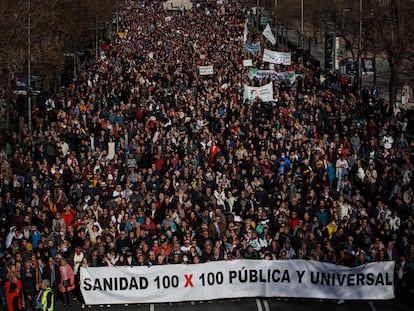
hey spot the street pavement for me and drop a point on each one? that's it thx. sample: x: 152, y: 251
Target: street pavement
x: 251, y: 304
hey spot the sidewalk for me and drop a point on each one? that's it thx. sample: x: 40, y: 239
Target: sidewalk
x: 382, y: 68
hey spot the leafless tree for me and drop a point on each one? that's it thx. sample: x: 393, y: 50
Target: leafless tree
x: 56, y: 27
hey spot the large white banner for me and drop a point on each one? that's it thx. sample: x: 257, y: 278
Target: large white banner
x: 265, y: 74
x: 265, y: 92
x: 236, y: 279
x: 283, y: 58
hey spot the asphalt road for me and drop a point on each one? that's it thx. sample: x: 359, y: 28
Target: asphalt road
x: 251, y: 304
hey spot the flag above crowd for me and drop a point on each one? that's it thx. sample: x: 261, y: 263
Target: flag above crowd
x: 267, y: 32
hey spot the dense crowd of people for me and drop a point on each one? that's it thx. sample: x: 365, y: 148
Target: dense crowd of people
x: 143, y: 161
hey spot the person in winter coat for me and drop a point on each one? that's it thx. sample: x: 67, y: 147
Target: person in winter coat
x: 67, y: 282
x: 13, y: 292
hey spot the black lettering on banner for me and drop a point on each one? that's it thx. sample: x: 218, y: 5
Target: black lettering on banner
x: 87, y: 284
x: 166, y: 281
x: 341, y: 279
x: 360, y: 279
x: 351, y: 280
x: 241, y: 274
x: 232, y: 276
x: 97, y: 285
x: 389, y: 279
x: 325, y: 278
x: 108, y: 284
x: 286, y: 277
x: 300, y: 275
x: 133, y: 284
x: 123, y: 283
x: 253, y: 276
x: 370, y: 279
x: 143, y: 283
x: 212, y: 278
x: 275, y: 279
x: 314, y: 277
x: 380, y: 280
x: 219, y: 277
x: 262, y: 278
x: 115, y: 284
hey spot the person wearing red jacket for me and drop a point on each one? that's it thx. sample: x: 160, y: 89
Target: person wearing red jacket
x: 68, y: 215
x: 13, y: 292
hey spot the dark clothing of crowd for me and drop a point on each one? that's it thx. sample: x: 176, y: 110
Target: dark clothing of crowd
x: 142, y: 161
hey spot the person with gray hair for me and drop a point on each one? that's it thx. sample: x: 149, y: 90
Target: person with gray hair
x: 46, y: 299
x: 46, y: 283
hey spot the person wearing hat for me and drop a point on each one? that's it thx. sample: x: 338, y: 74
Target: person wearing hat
x: 250, y: 253
x: 361, y: 258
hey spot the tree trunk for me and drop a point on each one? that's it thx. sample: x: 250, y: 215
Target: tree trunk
x: 395, y: 67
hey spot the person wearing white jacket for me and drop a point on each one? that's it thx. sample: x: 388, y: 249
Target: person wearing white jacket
x: 342, y: 168
x: 345, y: 208
x: 14, y: 233
x: 78, y: 256
x: 220, y: 196
x: 394, y: 221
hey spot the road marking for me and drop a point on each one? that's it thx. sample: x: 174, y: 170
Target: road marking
x: 266, y: 305
x: 259, y: 305
x: 371, y: 304
x: 152, y: 307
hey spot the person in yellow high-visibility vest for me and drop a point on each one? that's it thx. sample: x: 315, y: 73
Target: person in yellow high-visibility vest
x: 47, y: 298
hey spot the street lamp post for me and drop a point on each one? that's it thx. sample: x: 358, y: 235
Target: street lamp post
x: 301, y: 24
x: 360, y: 49
x: 29, y: 95
x: 96, y: 31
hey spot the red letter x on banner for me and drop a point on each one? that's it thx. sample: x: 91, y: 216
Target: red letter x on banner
x: 188, y: 280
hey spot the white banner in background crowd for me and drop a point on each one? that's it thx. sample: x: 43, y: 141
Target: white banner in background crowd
x: 265, y: 74
x: 265, y: 92
x: 236, y: 279
x: 247, y: 62
x: 251, y: 48
x: 283, y: 58
x: 206, y: 70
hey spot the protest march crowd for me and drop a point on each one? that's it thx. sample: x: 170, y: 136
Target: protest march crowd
x: 143, y: 161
